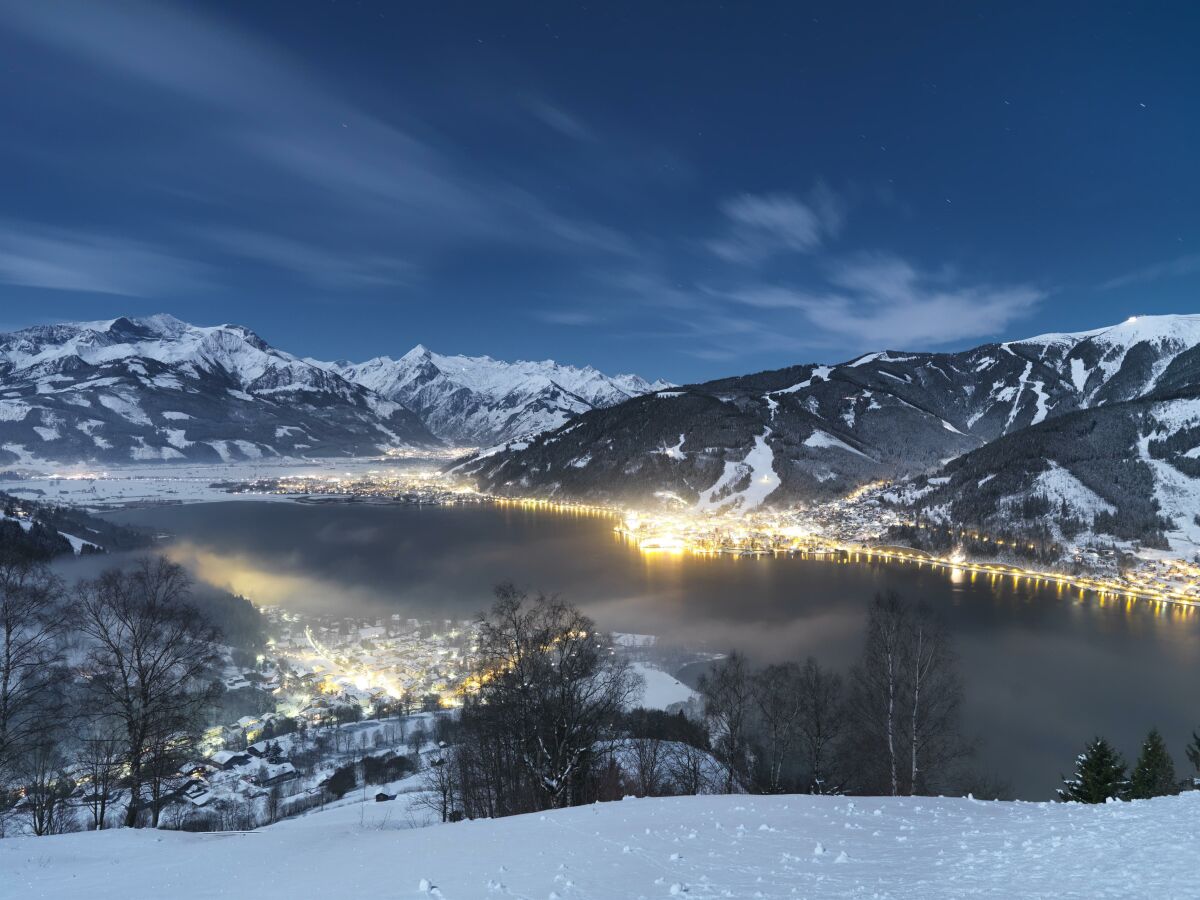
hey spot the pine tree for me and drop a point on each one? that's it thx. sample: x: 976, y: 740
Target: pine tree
x: 1193, y: 753
x: 1154, y: 774
x: 1099, y: 775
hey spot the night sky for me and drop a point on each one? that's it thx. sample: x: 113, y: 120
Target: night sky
x: 681, y: 189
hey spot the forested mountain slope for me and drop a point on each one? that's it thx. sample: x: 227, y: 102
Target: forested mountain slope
x: 818, y: 431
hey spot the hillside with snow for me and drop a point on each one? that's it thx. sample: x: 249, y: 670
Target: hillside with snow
x: 156, y: 389
x: 160, y: 390
x: 818, y: 431
x: 725, y: 846
x: 480, y: 401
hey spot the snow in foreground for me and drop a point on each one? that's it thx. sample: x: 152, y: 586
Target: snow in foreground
x: 688, y: 846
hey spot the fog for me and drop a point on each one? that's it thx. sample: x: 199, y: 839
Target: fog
x: 1044, y: 670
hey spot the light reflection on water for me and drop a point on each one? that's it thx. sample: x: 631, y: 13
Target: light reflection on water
x: 1045, y: 668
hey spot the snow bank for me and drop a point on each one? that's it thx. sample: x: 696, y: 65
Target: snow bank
x: 769, y: 847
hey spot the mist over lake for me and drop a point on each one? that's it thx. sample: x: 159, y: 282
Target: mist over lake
x: 1044, y: 669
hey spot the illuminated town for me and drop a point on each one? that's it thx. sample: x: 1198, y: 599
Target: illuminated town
x: 858, y: 528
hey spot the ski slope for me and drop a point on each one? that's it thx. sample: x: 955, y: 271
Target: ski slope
x: 729, y: 846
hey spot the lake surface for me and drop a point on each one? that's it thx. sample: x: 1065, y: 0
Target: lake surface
x: 1045, y: 671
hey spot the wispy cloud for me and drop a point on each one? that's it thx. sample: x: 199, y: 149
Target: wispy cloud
x: 764, y: 225
x: 558, y: 119
x: 270, y: 134
x: 64, y: 260
x: 881, y: 300
x: 1172, y: 268
x: 311, y: 261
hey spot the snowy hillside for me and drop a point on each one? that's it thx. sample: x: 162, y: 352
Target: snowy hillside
x: 479, y: 401
x: 727, y: 846
x: 158, y: 389
x: 1123, y: 362
x: 1129, y: 470
x: 815, y: 431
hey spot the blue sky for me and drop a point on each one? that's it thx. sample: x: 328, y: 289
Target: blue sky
x: 682, y: 189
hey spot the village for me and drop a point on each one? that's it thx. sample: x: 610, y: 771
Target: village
x: 335, y: 703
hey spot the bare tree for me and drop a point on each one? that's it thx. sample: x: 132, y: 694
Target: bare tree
x: 417, y: 738
x: 906, y: 700
x: 778, y: 702
x: 549, y: 689
x: 30, y: 651
x: 47, y: 790
x: 440, y: 784
x: 878, y: 686
x: 934, y: 700
x: 649, y: 764
x: 821, y: 723
x: 98, y: 761
x: 149, y: 662
x: 727, y: 705
x: 688, y: 768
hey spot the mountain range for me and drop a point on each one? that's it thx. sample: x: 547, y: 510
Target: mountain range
x: 1106, y: 422
x: 160, y: 390
x: 1097, y: 429
x: 480, y: 401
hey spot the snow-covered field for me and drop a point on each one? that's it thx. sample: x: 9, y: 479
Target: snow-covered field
x: 111, y: 486
x: 743, y: 847
x: 662, y: 689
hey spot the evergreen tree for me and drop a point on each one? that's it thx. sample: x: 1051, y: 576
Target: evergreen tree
x: 1099, y: 775
x: 1193, y: 753
x: 1154, y: 774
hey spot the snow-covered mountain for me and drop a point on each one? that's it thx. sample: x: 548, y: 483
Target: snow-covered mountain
x: 158, y: 389
x: 820, y: 430
x: 479, y: 401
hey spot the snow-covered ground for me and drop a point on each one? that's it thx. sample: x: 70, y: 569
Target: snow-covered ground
x: 758, y: 466
x: 662, y: 689
x: 110, y: 486
x: 729, y: 846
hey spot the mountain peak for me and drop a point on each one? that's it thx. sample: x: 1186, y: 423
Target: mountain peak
x: 484, y: 401
x: 419, y: 352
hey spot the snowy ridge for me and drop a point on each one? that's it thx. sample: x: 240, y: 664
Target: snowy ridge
x: 481, y: 401
x: 156, y: 388
x: 882, y: 415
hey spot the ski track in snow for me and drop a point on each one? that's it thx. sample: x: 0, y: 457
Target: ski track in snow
x: 730, y: 846
x: 822, y: 440
x: 1016, y: 404
x: 759, y: 463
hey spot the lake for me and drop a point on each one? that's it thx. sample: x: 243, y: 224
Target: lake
x: 1045, y: 671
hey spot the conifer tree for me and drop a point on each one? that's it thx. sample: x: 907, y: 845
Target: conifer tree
x: 1099, y: 775
x: 1154, y: 774
x: 1193, y: 754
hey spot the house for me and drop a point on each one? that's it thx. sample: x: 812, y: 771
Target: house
x: 230, y: 759
x: 270, y: 775
x: 197, y: 793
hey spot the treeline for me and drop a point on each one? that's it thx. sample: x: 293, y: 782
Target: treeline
x: 31, y: 531
x: 1032, y: 539
x: 891, y: 725
x: 549, y: 722
x: 104, y: 689
x: 1101, y: 775
x: 1097, y: 446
